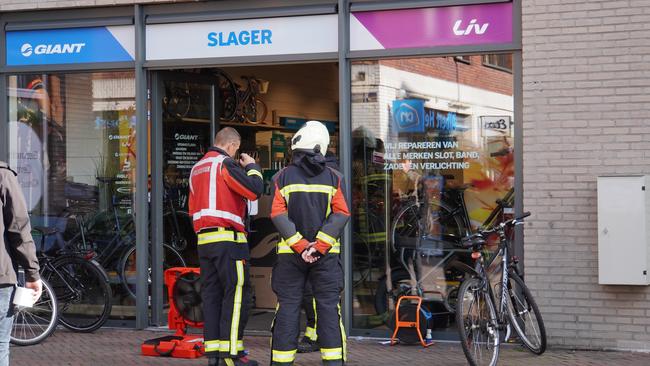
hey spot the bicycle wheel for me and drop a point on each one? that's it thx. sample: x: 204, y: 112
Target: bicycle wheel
x: 83, y: 293
x: 475, y: 318
x: 179, y: 235
x: 409, y: 232
x: 171, y: 258
x: 524, y: 315
x: 255, y: 110
x: 33, y: 325
x: 228, y: 92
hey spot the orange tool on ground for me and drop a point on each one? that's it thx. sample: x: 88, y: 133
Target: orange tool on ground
x: 184, y: 293
x: 410, y: 323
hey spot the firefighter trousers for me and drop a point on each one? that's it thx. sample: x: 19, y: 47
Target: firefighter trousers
x: 288, y: 281
x: 309, y: 306
x: 226, y: 295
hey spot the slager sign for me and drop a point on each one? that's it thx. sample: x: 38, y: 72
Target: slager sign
x: 410, y: 115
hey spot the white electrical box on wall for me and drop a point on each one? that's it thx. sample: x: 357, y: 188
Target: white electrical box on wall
x: 623, y: 230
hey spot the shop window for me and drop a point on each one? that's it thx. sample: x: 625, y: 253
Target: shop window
x: 498, y: 61
x: 432, y: 155
x: 72, y: 142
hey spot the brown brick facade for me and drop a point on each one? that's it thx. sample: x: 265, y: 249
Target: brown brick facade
x: 447, y: 68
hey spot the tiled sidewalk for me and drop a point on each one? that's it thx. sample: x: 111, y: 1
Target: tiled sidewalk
x: 115, y: 347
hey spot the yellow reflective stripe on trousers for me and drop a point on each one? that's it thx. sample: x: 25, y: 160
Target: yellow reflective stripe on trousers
x: 326, y: 238
x: 294, y: 239
x: 284, y: 356
x: 310, y: 333
x: 211, y: 346
x: 254, y: 172
x: 236, y: 309
x: 224, y: 346
x: 329, y: 354
x: 221, y: 236
x: 344, y: 341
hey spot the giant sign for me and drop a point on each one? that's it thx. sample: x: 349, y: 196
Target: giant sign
x: 462, y: 25
x: 247, y: 37
x: 70, y: 45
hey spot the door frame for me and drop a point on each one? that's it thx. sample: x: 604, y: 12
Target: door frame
x: 158, y: 79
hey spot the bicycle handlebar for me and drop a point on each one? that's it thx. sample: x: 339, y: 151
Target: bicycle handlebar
x: 477, y: 240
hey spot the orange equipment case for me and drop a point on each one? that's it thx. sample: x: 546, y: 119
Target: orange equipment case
x: 181, y: 344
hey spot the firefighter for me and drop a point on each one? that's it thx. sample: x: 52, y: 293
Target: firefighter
x: 308, y: 342
x: 219, y: 190
x: 310, y: 211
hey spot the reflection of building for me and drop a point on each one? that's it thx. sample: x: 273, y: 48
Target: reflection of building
x: 466, y: 87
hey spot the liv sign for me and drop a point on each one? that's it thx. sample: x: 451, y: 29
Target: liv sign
x: 480, y: 24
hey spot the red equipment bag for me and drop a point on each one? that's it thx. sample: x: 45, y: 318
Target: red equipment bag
x: 189, y: 346
x: 184, y: 311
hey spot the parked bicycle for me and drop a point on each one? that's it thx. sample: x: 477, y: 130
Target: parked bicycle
x: 34, y: 324
x: 79, y: 282
x: 242, y: 105
x: 485, y: 310
x: 425, y: 235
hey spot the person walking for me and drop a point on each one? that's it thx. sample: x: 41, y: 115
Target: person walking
x: 16, y: 249
x: 309, y: 211
x: 220, y: 188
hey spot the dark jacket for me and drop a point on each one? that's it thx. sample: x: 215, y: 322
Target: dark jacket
x: 16, y: 243
x: 309, y: 203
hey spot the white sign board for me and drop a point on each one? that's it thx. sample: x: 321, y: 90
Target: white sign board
x: 247, y: 37
x: 496, y: 126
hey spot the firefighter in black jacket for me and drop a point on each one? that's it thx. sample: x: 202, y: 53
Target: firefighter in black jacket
x: 310, y: 211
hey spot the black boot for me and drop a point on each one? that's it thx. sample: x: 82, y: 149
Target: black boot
x: 242, y: 361
x: 213, y: 361
x: 306, y: 345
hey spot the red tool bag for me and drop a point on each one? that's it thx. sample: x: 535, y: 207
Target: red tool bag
x: 184, y: 293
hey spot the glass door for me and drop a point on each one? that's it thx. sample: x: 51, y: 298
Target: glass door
x: 184, y: 107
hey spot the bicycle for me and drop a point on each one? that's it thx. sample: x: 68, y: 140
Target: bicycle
x: 478, y: 318
x: 242, y: 105
x: 79, y: 283
x: 35, y: 324
x: 426, y: 234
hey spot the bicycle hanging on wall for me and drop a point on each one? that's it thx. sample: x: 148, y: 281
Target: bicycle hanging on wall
x: 242, y: 105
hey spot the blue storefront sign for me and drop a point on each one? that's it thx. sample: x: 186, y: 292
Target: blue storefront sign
x: 70, y: 46
x: 410, y: 115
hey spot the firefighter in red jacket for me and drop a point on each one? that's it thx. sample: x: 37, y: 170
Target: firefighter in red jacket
x: 310, y: 211
x: 219, y: 190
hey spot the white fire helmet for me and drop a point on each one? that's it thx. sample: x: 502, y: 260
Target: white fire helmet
x: 311, y: 135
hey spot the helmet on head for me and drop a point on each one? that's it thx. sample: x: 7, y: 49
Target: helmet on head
x: 312, y: 136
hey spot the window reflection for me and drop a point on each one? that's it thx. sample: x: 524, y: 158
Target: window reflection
x: 72, y: 142
x: 432, y: 161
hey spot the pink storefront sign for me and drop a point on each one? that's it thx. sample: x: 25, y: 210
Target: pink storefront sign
x: 482, y: 24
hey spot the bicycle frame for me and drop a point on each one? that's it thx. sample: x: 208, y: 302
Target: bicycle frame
x: 506, y: 266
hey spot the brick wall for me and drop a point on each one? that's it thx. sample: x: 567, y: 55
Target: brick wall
x: 14, y: 5
x: 446, y: 68
x: 586, y: 92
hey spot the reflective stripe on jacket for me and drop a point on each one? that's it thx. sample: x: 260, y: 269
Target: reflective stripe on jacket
x: 219, y: 190
x: 309, y: 206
